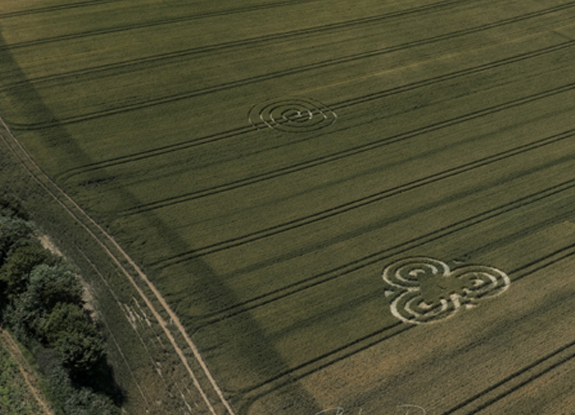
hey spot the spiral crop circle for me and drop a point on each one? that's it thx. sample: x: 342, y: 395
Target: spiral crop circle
x: 482, y: 282
x: 407, y: 272
x: 293, y: 115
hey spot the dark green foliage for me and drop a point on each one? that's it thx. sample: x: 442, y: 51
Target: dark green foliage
x: 85, y: 402
x: 82, y: 355
x: 12, y: 206
x: 78, y: 401
x: 3, y: 299
x: 45, y: 307
x: 41, y: 300
x: 50, y: 285
x: 18, y: 266
x: 24, y: 316
x: 48, y: 360
x: 13, y: 232
x: 66, y: 319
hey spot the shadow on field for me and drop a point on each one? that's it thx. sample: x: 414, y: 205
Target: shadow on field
x: 204, y: 289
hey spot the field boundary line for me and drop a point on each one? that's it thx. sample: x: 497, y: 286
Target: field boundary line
x: 97, y: 271
x: 40, y: 174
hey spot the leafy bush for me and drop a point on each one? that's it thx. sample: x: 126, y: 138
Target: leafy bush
x: 85, y: 402
x: 24, y: 317
x: 18, y: 266
x: 41, y: 299
x: 78, y: 401
x: 50, y: 285
x: 13, y: 232
x: 65, y: 319
x: 82, y: 355
x: 12, y: 207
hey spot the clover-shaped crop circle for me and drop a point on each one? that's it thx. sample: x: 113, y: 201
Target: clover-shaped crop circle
x: 425, y: 290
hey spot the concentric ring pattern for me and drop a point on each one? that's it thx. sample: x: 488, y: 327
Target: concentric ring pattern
x: 292, y: 115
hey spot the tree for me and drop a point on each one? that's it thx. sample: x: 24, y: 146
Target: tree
x: 12, y: 206
x: 20, y: 263
x: 13, y: 231
x: 85, y: 402
x: 48, y: 286
x: 82, y: 355
x: 64, y: 319
x: 72, y: 400
x: 3, y: 299
x: 24, y: 316
x: 51, y: 285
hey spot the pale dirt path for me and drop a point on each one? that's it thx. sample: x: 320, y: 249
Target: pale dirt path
x: 148, y: 353
x: 14, y: 351
x: 72, y: 208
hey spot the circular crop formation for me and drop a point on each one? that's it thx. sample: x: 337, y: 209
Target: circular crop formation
x: 294, y: 115
x: 425, y: 290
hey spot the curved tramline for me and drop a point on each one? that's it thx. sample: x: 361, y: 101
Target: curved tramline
x: 108, y: 244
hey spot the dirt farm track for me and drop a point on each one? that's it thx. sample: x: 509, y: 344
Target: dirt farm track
x: 355, y: 207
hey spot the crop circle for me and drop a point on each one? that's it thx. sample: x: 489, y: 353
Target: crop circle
x: 425, y: 290
x: 293, y: 115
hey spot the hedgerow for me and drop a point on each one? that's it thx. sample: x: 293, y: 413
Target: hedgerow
x: 41, y: 300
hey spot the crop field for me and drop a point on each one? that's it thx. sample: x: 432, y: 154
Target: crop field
x: 366, y: 205
x: 20, y: 391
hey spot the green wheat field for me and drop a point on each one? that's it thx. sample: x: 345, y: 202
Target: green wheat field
x: 268, y: 162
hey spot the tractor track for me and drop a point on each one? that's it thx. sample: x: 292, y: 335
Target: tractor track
x: 126, y: 265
